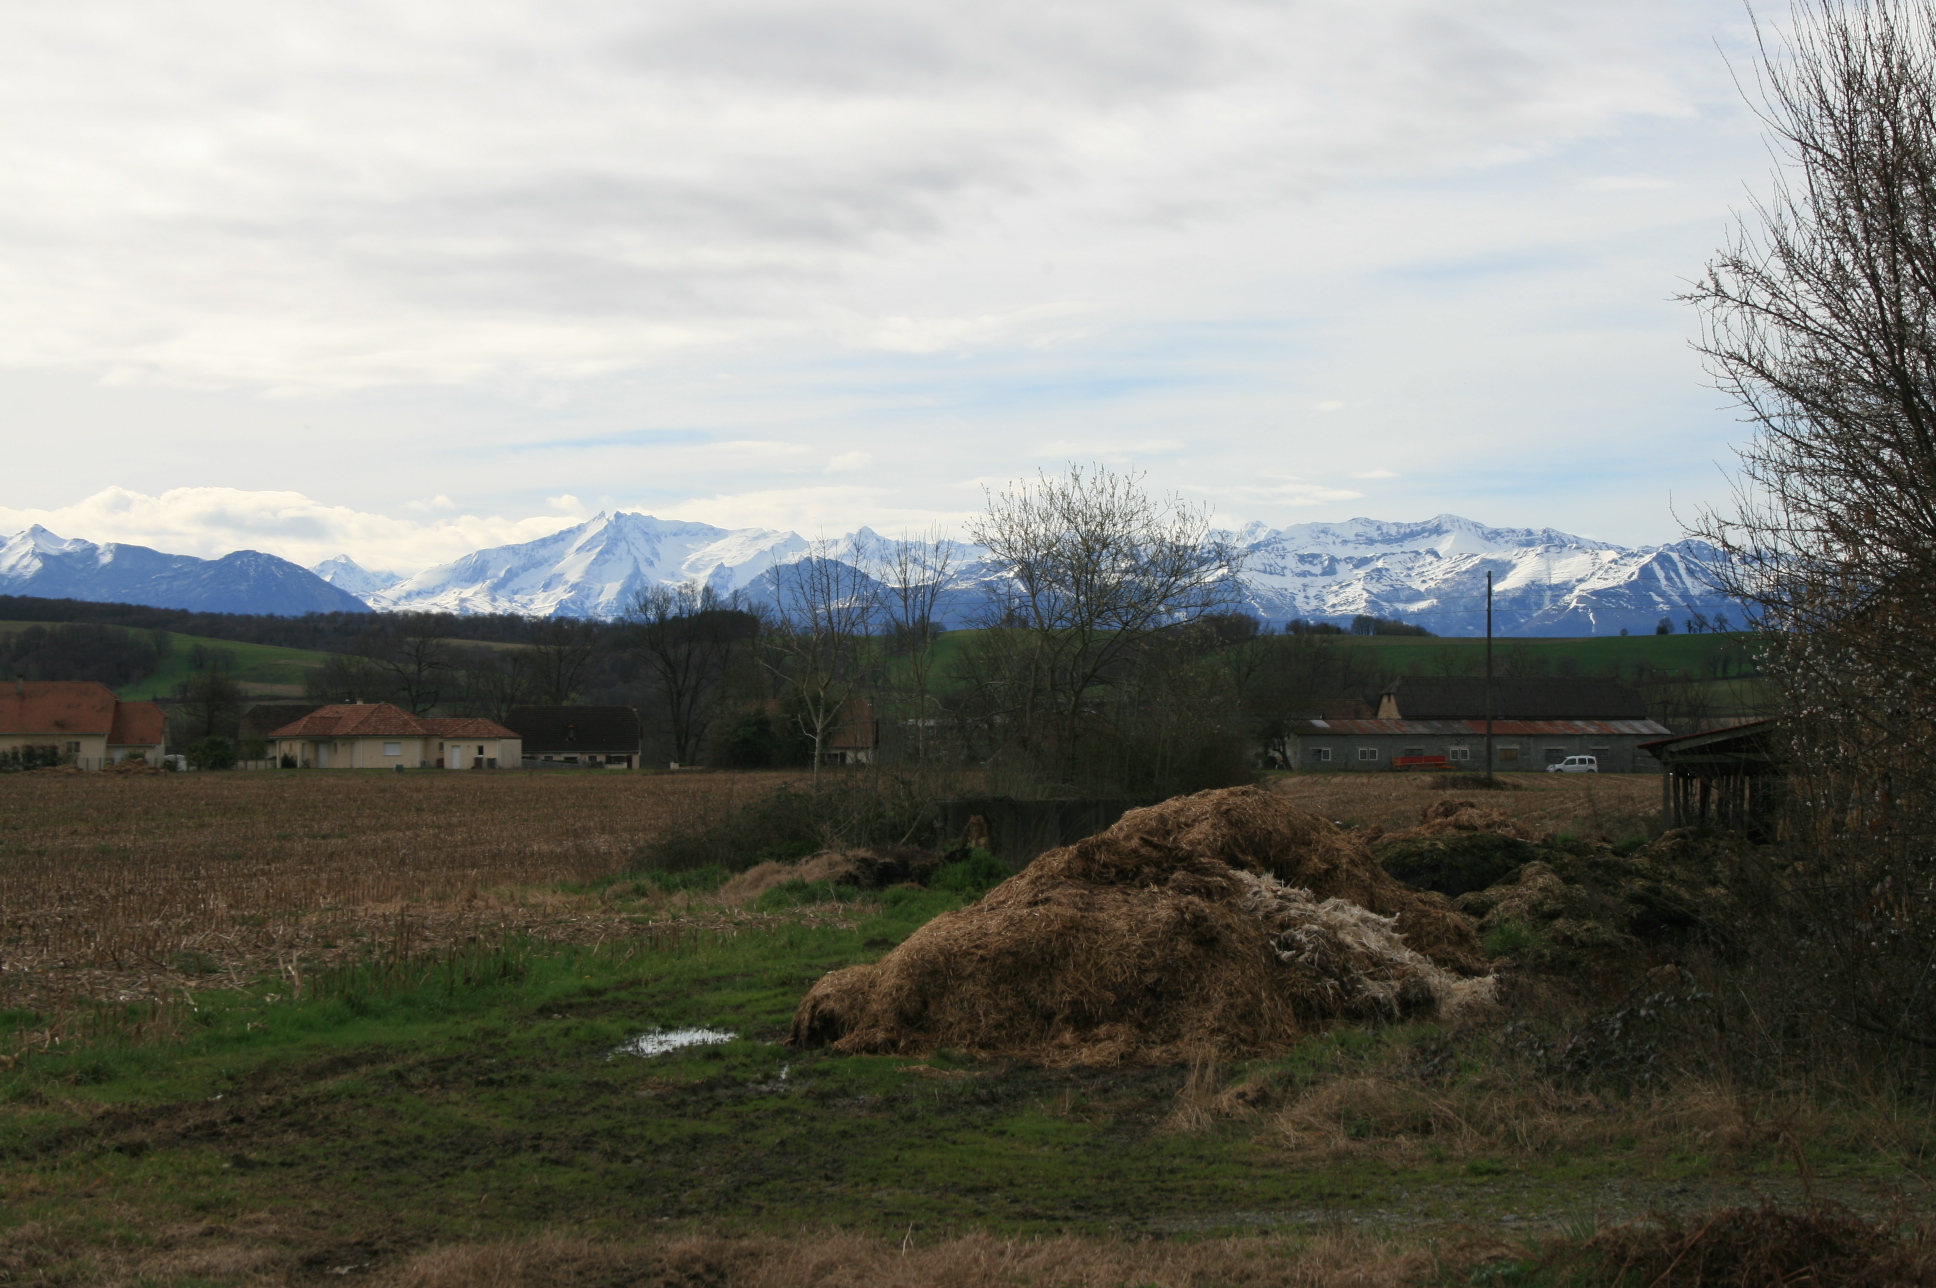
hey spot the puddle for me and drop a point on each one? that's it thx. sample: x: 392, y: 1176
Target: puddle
x: 660, y: 1041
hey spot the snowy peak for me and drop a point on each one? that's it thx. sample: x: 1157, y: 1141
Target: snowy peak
x: 37, y: 562
x: 594, y: 569
x: 1444, y: 535
x: 345, y: 573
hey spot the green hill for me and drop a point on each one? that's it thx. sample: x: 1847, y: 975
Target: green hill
x: 263, y: 670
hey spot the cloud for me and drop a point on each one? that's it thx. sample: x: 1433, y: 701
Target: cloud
x: 1375, y: 474
x: 211, y: 521
x: 849, y: 461
x: 413, y: 191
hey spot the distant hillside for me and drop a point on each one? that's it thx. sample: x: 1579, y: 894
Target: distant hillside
x: 37, y: 562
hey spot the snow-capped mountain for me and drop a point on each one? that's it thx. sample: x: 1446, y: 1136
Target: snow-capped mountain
x: 37, y: 562
x: 1434, y: 574
x: 595, y: 569
x: 345, y: 573
x: 1431, y: 573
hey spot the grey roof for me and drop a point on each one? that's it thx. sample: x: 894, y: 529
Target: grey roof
x: 576, y: 729
x: 1421, y: 697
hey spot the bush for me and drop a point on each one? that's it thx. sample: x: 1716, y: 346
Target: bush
x: 211, y: 753
x: 21, y: 759
x: 843, y: 811
x: 972, y: 876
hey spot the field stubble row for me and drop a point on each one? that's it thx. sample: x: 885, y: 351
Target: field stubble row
x: 118, y: 888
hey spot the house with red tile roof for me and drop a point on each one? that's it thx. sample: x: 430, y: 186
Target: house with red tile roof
x: 81, y: 719
x: 377, y: 735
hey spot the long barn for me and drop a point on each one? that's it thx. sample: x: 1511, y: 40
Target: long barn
x: 1536, y: 722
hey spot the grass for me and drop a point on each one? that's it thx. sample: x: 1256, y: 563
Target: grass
x: 261, y: 669
x: 434, y: 1098
x: 469, y: 1099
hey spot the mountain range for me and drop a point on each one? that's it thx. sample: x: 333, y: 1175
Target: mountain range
x: 36, y: 562
x: 1431, y: 573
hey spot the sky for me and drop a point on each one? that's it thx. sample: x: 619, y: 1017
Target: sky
x: 408, y: 278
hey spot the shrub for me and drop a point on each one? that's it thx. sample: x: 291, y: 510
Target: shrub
x: 842, y: 811
x: 20, y: 759
x: 972, y: 876
x: 214, y: 752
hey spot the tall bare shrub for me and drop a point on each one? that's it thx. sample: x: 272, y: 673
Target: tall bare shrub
x: 1820, y: 320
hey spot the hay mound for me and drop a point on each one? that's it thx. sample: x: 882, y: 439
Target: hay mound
x: 1582, y: 909
x: 864, y: 869
x: 1450, y: 815
x: 1229, y: 920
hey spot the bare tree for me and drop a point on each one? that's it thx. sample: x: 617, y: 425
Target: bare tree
x: 559, y: 658
x: 414, y: 661
x: 1820, y: 319
x: 686, y: 636
x: 492, y: 681
x: 817, y: 644
x: 1090, y: 567
x: 913, y: 575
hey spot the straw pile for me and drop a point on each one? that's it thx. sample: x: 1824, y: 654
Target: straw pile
x: 1229, y: 920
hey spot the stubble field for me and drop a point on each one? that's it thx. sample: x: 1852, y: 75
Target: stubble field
x: 123, y: 888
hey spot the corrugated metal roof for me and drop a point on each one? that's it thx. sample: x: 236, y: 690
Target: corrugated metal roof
x: 1509, y: 728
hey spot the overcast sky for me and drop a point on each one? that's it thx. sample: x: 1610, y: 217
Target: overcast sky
x: 405, y: 278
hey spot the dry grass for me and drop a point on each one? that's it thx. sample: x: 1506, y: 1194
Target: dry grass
x: 125, y: 887
x: 1595, y: 806
x: 264, y: 1252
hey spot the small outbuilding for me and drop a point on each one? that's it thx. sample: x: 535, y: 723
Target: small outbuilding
x: 584, y: 735
x: 377, y: 735
x: 1729, y: 777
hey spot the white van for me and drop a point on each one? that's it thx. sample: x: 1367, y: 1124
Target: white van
x: 1576, y: 765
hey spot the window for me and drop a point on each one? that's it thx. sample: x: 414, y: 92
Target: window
x: 1414, y: 751
x: 1509, y: 753
x: 1367, y: 753
x: 1322, y: 754
x: 1459, y: 753
x: 393, y: 749
x: 1554, y: 755
x: 73, y: 748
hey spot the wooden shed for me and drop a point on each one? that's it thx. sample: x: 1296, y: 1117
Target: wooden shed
x: 1721, y: 778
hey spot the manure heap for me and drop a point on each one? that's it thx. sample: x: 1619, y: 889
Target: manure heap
x: 1229, y: 920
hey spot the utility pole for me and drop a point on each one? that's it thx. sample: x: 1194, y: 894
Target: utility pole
x: 1489, y: 778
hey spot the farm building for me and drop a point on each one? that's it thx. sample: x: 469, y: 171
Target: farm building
x: 579, y: 735
x: 81, y: 719
x: 1727, y: 777
x: 376, y: 735
x: 1440, y: 722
